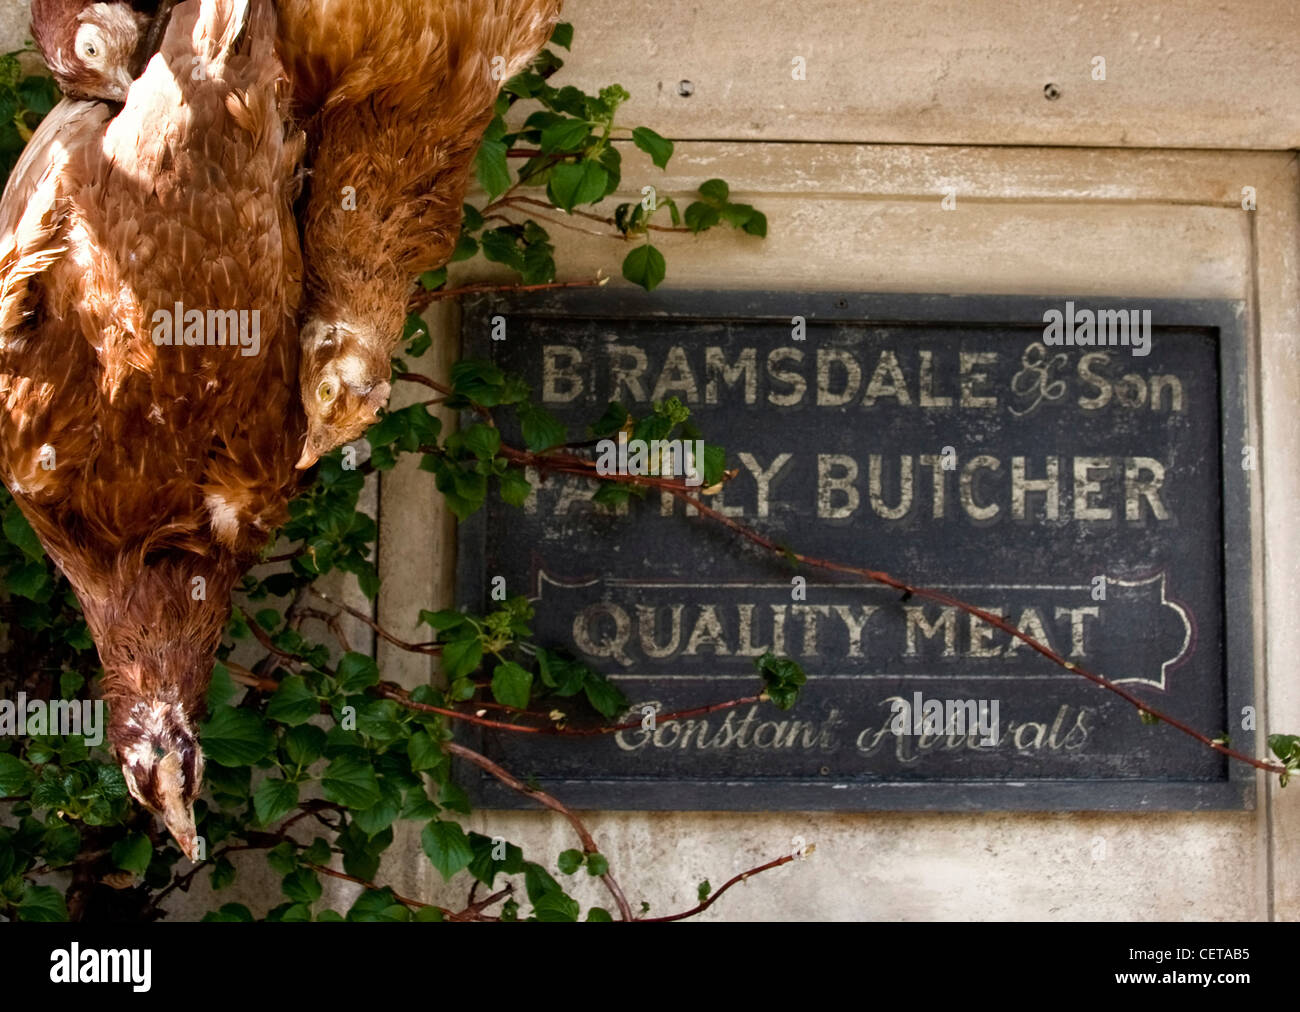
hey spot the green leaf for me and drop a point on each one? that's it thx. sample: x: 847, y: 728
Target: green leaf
x: 274, y: 799
x: 71, y: 682
x: 454, y: 798
x: 223, y: 873
x: 499, y: 246
x: 556, y: 908
x: 541, y: 429
x: 236, y: 737
x: 39, y: 93
x: 61, y: 845
x: 31, y: 581
x: 133, y: 853
x: 378, y: 719
x: 563, y: 35
x: 431, y: 281
x: 737, y: 215
x: 659, y: 149
x: 715, y: 191
x: 1284, y: 746
x: 574, y: 184
x: 318, y: 852
x: 293, y: 702
x: 612, y: 160
x: 568, y: 99
x: 304, y: 744
x: 351, y: 782
x: 221, y: 688
x: 15, y: 776
x: 461, y: 657
x: 481, y: 440
x: 230, y: 913
x: 569, y: 861
x: 423, y: 751
x: 560, y: 673
x: 614, y: 418
x: 645, y: 266
x: 20, y: 533
x: 597, y: 865
x: 466, y: 247
x: 512, y: 685
x: 704, y: 890
x: 700, y: 216
x: 715, y: 463
x: 282, y: 857
x: 538, y: 882
x: 485, y: 867
x: 599, y: 915
x: 446, y: 847
x: 110, y: 783
x: 383, y: 813
x: 782, y: 678
x: 42, y: 904
x: 356, y: 673
x: 514, y: 487
x: 565, y: 135
x: 605, y: 696
x: 378, y: 905
x: 302, y: 885
x: 492, y: 169
x: 443, y: 620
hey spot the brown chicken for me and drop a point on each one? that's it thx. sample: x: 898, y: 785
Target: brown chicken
x: 153, y: 461
x: 395, y: 96
x: 92, y: 49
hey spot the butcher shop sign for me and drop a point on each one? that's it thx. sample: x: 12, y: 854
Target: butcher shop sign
x: 1093, y: 491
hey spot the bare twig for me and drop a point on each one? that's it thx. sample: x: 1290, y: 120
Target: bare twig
x: 713, y: 898
x: 395, y: 692
x: 588, y: 842
x: 360, y: 616
x: 513, y: 201
x: 423, y: 299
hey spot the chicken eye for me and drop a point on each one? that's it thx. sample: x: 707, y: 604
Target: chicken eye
x: 159, y: 752
x: 89, y: 49
x: 325, y: 391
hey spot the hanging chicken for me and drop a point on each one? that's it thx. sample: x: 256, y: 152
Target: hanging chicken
x: 395, y: 97
x: 150, y: 279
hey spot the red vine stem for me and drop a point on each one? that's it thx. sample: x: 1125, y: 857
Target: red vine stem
x: 588, y: 841
x: 399, y: 695
x: 713, y: 898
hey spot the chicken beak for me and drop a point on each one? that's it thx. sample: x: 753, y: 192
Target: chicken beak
x: 125, y: 79
x: 310, y: 454
x: 177, y: 814
x: 186, y: 839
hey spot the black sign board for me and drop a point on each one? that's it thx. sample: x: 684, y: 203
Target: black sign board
x: 1078, y: 465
